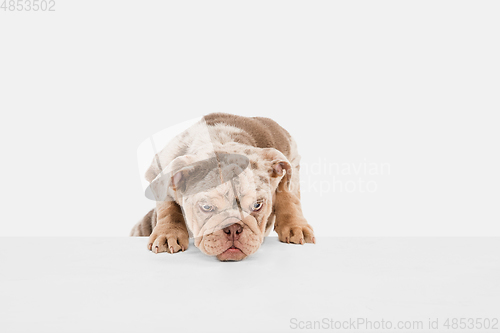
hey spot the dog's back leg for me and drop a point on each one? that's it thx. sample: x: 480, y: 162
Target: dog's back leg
x: 145, y: 226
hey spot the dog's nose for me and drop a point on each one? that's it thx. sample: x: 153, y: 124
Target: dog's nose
x: 233, y: 231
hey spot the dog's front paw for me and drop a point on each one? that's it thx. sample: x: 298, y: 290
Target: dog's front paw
x: 295, y: 233
x: 168, y: 240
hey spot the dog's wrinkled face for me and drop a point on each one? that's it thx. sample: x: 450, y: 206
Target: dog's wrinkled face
x: 229, y: 220
x: 226, y: 198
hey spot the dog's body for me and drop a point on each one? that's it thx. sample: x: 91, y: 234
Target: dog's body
x: 228, y: 205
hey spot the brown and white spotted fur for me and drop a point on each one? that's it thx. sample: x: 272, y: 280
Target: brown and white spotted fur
x: 271, y: 180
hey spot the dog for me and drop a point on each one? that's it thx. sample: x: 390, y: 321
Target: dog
x: 226, y: 181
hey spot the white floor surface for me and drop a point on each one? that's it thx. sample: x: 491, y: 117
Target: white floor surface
x: 116, y: 285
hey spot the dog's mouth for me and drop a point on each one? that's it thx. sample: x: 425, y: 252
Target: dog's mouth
x: 233, y: 249
x: 231, y: 254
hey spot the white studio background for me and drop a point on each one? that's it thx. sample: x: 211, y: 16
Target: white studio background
x: 402, y: 96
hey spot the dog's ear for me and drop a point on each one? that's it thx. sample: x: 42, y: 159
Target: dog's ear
x: 172, y: 176
x: 279, y: 165
x: 179, y: 176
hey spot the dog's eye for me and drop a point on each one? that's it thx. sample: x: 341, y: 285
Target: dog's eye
x: 257, y: 206
x: 207, y: 208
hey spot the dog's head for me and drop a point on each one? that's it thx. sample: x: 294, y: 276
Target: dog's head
x: 227, y: 198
